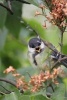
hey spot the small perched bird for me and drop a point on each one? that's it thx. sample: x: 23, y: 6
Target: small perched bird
x: 44, y: 55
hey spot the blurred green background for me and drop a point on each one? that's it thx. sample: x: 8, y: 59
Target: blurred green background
x: 14, y: 36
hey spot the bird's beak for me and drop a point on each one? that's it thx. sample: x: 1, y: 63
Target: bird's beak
x: 37, y: 49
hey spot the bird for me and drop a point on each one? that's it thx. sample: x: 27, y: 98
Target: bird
x: 44, y: 55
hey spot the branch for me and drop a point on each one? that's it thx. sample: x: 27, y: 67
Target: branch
x: 9, y: 4
x: 60, y: 59
x: 10, y: 82
x: 2, y: 93
x: 50, y: 46
x: 8, y: 9
x: 61, y: 42
x: 6, y: 89
x: 22, y: 1
x: 62, y: 29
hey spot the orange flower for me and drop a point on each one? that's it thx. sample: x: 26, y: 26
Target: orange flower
x: 65, y: 9
x: 37, y: 13
x: 20, y: 82
x: 42, y: 6
x: 16, y: 74
x: 10, y: 69
x: 44, y: 25
x: 59, y: 10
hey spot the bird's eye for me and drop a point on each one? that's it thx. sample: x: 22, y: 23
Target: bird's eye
x: 39, y: 44
x: 32, y: 46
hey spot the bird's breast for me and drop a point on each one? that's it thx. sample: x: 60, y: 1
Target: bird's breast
x: 41, y: 59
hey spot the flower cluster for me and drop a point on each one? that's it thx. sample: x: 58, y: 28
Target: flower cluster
x: 22, y: 84
x: 57, y: 14
x: 8, y: 70
x: 38, y: 80
x: 60, y: 7
x: 59, y: 10
x: 65, y: 9
x: 20, y: 80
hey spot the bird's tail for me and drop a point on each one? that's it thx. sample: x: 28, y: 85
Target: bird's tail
x: 64, y: 60
x: 61, y: 58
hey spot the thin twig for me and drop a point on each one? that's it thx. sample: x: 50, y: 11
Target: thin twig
x: 9, y: 4
x: 6, y: 89
x: 22, y: 1
x: 8, y: 81
x: 51, y: 47
x: 2, y: 93
x: 62, y: 29
x: 30, y: 28
x: 8, y: 9
x: 60, y: 59
x: 28, y: 74
x: 61, y: 42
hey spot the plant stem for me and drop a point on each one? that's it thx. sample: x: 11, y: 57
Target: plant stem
x: 61, y: 41
x: 62, y: 30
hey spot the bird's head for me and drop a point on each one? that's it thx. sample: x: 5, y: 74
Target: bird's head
x: 36, y: 45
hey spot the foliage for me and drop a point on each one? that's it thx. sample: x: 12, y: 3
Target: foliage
x: 14, y: 37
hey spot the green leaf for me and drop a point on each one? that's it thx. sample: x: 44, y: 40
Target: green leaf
x: 3, y: 35
x: 38, y: 97
x: 1, y: 1
x: 35, y: 2
x: 36, y: 26
x: 13, y: 21
x: 32, y: 97
x: 11, y: 96
x: 41, y: 95
x: 24, y: 97
x: 3, y: 15
x: 65, y: 49
x: 59, y: 93
x: 27, y: 72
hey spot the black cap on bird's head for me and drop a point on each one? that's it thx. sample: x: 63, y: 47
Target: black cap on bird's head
x: 34, y: 42
x: 35, y: 45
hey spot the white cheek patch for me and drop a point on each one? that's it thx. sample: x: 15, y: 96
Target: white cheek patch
x: 32, y: 50
x: 42, y: 46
